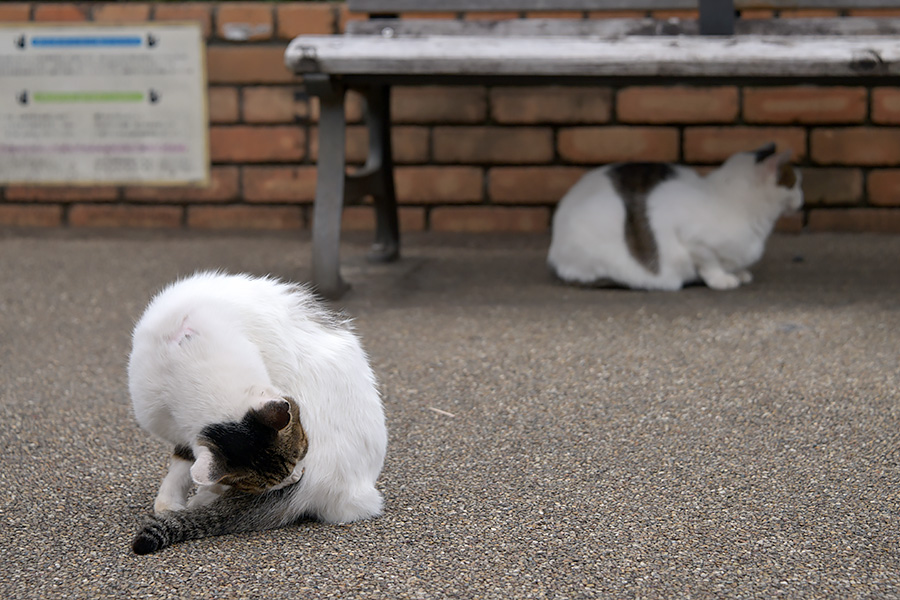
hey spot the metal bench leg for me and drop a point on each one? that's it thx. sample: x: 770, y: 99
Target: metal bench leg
x: 716, y: 17
x: 378, y: 119
x: 326, y: 234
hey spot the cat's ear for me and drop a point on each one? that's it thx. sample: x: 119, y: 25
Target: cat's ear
x: 206, y: 469
x: 771, y: 165
x: 764, y: 152
x: 274, y: 413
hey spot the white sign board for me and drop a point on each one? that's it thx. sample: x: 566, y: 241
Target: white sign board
x: 95, y: 104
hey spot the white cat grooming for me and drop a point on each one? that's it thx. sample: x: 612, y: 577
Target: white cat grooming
x: 269, y: 402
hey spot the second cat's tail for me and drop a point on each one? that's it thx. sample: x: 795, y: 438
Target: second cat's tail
x: 234, y: 512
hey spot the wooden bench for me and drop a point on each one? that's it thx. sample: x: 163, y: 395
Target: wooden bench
x: 718, y: 47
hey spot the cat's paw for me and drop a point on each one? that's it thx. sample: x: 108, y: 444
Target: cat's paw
x: 744, y: 276
x: 164, y: 505
x: 721, y: 280
x: 207, y: 494
x: 291, y: 479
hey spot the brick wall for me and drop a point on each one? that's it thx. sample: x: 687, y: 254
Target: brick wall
x: 469, y: 158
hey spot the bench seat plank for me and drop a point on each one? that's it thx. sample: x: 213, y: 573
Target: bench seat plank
x: 611, y: 28
x: 397, y: 6
x: 638, y: 56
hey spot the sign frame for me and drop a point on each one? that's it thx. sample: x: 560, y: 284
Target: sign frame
x: 101, y: 36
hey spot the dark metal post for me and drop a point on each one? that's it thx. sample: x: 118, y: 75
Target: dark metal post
x: 716, y: 17
x: 378, y: 118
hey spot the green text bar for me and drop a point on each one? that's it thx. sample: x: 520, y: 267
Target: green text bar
x: 88, y: 96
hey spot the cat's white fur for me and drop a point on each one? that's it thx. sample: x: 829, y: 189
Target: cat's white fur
x: 211, y: 346
x: 708, y: 228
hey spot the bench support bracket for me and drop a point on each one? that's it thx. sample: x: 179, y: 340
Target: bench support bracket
x: 376, y: 177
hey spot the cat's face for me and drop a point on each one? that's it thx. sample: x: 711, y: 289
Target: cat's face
x: 255, y: 454
x: 770, y: 174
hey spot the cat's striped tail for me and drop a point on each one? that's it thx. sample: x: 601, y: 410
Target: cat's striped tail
x: 234, y: 512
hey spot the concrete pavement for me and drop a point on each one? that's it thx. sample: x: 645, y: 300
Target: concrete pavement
x: 545, y: 441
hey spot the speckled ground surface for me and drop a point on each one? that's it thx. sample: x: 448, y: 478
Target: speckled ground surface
x: 546, y: 441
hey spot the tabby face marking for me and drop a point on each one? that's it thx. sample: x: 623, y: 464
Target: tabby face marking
x: 184, y: 453
x: 787, y: 177
x: 259, y: 451
x: 634, y: 182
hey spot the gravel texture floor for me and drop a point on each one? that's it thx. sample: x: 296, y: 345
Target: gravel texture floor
x: 546, y: 441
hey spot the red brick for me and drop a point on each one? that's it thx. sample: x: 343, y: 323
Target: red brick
x: 438, y: 184
x: 358, y: 218
x: 411, y: 218
x: 493, y: 144
x: 16, y: 11
x: 121, y: 12
x: 873, y: 146
x: 489, y: 219
x: 686, y: 14
x: 805, y: 13
x: 874, y: 12
x: 362, y: 218
x: 30, y: 215
x: 280, y: 184
x: 715, y: 144
x: 869, y: 220
x: 427, y: 15
x: 354, y: 107
x: 884, y: 187
x: 243, y: 143
x: 616, y: 143
x: 223, y: 104
x: 274, y: 105
x: 494, y: 15
x: 805, y: 104
x: 831, y: 185
x: 677, y: 104
x: 298, y: 18
x: 197, y: 12
x: 437, y: 104
x: 247, y: 64
x: 223, y: 186
x: 245, y: 217
x: 617, y: 14
x: 244, y: 21
x: 757, y: 13
x: 551, y: 105
x: 790, y: 223
x: 118, y: 215
x: 886, y: 105
x: 60, y: 13
x: 409, y: 144
x: 531, y: 184
x: 61, y: 193
x: 553, y: 14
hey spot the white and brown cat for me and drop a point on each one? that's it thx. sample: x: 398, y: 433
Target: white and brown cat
x: 659, y: 226
x: 269, y: 402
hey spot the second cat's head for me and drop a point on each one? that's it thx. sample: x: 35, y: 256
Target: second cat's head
x: 764, y: 174
x: 257, y: 453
